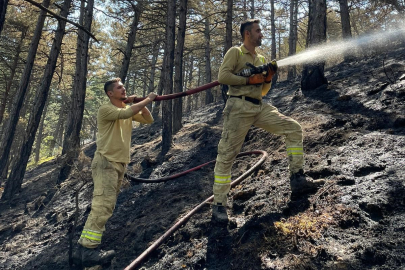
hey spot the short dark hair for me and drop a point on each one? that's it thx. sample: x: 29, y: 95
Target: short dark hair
x: 247, y: 25
x: 109, y: 84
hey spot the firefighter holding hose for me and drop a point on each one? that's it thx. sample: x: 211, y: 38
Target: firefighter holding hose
x: 114, y: 123
x: 244, y: 108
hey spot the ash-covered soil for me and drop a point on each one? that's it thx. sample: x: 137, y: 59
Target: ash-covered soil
x: 354, y: 139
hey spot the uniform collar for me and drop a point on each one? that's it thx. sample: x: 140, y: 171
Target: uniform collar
x: 244, y: 50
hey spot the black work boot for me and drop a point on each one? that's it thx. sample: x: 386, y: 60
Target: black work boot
x: 219, y: 214
x: 87, y: 257
x: 300, y: 185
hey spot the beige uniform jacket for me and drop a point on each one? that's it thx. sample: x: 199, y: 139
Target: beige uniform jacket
x: 115, y: 130
x: 234, y: 61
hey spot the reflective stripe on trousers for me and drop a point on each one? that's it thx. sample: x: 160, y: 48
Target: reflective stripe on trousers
x: 239, y: 116
x: 107, y: 178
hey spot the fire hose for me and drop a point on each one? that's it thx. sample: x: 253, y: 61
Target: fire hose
x: 184, y: 219
x: 246, y: 73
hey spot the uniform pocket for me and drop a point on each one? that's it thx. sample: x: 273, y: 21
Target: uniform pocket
x: 96, y: 172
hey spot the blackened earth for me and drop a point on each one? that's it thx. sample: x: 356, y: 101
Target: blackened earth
x: 354, y: 139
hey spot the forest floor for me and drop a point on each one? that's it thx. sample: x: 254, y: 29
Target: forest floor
x: 354, y: 139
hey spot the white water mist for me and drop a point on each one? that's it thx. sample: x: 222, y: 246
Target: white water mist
x: 347, y: 47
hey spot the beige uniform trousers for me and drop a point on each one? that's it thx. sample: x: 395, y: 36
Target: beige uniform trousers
x: 107, y: 178
x: 239, y: 116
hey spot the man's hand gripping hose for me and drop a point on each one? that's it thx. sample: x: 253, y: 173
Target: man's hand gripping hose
x: 255, y: 74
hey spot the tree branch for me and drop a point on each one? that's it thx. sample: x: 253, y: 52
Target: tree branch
x: 62, y: 18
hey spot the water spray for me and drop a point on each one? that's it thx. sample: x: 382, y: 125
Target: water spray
x: 347, y: 47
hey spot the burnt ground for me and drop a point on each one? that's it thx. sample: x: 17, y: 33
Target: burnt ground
x: 354, y: 139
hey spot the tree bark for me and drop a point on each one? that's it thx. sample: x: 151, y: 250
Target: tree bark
x: 151, y: 86
x: 313, y: 74
x: 58, y: 132
x: 228, y: 40
x: 11, y: 124
x: 38, y: 140
x: 71, y: 142
x: 189, y: 105
x: 273, y: 31
x: 292, y: 40
x: 345, y: 19
x: 167, y: 77
x: 13, y: 71
x: 3, y: 10
x: 131, y: 41
x: 228, y: 26
x: 18, y: 168
x: 178, y: 64
x: 208, y: 94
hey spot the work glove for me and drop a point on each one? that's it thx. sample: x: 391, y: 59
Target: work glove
x: 255, y: 79
x: 272, y: 69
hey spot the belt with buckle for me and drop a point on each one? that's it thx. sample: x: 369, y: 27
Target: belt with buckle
x: 253, y: 100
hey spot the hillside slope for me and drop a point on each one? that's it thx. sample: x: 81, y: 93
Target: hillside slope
x: 354, y: 139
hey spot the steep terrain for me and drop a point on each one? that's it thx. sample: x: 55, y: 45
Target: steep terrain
x: 354, y: 139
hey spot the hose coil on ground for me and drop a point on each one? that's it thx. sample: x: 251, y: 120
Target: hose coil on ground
x: 184, y: 219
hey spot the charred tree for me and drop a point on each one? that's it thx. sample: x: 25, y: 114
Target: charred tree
x: 3, y: 10
x: 13, y: 71
x: 166, y: 80
x: 228, y: 40
x: 155, y: 54
x: 71, y: 142
x: 131, y: 40
x: 228, y: 26
x: 178, y: 65
x: 313, y: 75
x: 273, y: 31
x: 293, y: 37
x: 18, y: 168
x: 208, y: 94
x: 11, y: 125
x: 40, y: 134
x: 345, y: 19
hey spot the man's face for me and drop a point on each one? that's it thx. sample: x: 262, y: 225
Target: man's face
x: 118, y: 92
x: 255, y: 35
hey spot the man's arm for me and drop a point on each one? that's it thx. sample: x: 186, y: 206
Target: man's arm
x: 111, y: 113
x: 137, y: 107
x: 225, y: 75
x: 144, y: 116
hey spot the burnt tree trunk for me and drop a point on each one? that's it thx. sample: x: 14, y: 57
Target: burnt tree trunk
x: 152, y: 72
x: 71, y: 142
x: 292, y: 40
x: 345, y: 20
x: 178, y: 65
x: 3, y: 10
x: 208, y: 94
x: 131, y: 41
x: 313, y: 75
x: 166, y: 80
x: 228, y: 40
x: 189, y: 80
x: 18, y: 168
x: 273, y: 31
x: 13, y: 71
x: 11, y: 124
x: 40, y: 134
